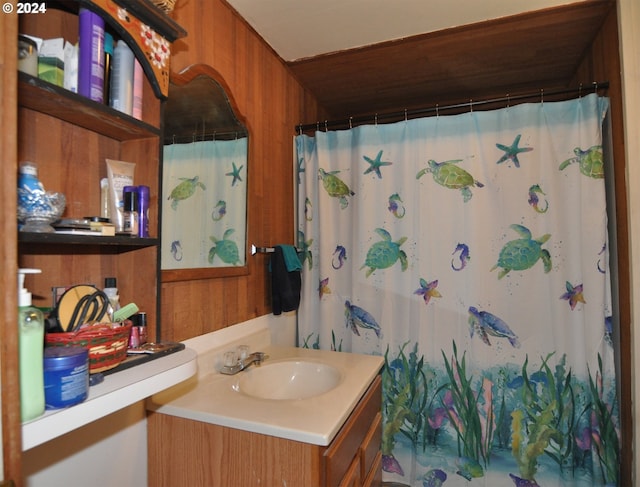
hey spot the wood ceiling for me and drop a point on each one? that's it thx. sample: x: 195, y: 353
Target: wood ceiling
x: 531, y: 51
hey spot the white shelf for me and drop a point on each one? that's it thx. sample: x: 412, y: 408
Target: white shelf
x: 118, y: 390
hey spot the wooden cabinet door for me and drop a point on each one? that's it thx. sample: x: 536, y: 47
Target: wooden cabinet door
x: 347, y: 444
x: 374, y: 477
x: 352, y: 476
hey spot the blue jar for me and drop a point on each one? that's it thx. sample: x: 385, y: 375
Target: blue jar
x: 66, y: 376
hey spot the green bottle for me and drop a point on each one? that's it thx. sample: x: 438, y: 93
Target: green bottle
x: 31, y: 349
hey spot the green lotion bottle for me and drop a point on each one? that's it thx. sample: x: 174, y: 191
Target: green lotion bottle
x: 31, y: 349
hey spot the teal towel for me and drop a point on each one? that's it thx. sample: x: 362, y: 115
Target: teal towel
x: 291, y: 259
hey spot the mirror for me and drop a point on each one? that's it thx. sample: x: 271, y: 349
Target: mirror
x: 204, y: 179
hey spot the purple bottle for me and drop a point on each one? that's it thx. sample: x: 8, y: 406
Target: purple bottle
x: 91, y: 55
x: 143, y: 211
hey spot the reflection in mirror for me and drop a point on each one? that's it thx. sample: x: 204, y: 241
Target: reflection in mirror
x: 204, y: 179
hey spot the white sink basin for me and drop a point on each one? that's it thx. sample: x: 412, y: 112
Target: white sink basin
x: 253, y: 400
x: 289, y: 379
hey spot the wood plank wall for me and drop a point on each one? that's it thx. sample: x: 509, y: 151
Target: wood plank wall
x: 272, y: 102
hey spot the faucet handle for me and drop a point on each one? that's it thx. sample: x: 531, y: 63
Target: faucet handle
x: 242, y: 351
x: 230, y: 358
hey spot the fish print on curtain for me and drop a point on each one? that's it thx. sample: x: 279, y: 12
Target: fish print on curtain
x: 471, y: 252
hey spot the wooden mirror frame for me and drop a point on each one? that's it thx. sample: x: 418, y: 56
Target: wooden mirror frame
x: 174, y: 275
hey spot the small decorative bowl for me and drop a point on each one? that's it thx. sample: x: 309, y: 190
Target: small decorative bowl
x: 39, y: 209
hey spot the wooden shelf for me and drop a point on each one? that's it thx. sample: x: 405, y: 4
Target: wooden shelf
x: 152, y: 15
x: 41, y: 96
x: 133, y: 20
x: 144, y: 10
x: 54, y: 238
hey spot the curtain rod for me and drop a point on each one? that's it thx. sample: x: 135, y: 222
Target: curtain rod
x: 349, y: 122
x: 201, y: 137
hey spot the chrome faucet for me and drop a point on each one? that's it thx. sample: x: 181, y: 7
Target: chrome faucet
x: 243, y: 363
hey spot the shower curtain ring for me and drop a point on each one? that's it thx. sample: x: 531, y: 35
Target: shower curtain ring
x: 405, y: 114
x: 580, y: 91
x: 470, y: 105
x: 595, y: 87
x: 437, y: 110
x: 350, y: 122
x: 542, y: 96
x: 376, y: 120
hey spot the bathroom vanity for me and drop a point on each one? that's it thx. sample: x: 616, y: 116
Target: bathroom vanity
x: 221, y: 430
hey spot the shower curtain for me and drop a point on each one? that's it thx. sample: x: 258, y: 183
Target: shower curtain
x: 470, y: 251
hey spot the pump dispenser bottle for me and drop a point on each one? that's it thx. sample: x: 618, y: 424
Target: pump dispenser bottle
x: 111, y: 290
x: 31, y: 348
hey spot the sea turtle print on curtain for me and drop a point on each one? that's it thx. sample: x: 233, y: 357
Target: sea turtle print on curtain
x: 470, y: 251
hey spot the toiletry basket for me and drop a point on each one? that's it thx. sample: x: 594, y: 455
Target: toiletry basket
x: 107, y: 344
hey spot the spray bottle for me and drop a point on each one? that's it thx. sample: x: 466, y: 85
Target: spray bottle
x: 31, y: 349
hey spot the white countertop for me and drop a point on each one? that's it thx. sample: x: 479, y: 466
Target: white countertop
x: 115, y: 392
x: 212, y: 398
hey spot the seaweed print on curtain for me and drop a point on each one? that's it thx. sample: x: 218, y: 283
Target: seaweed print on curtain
x: 471, y: 252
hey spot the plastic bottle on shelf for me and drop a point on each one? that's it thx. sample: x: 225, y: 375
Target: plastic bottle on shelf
x: 138, y: 82
x: 130, y: 197
x: 31, y: 352
x: 121, y: 86
x: 143, y: 211
x: 111, y: 290
x: 104, y: 198
x: 91, y: 55
x: 108, y: 56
